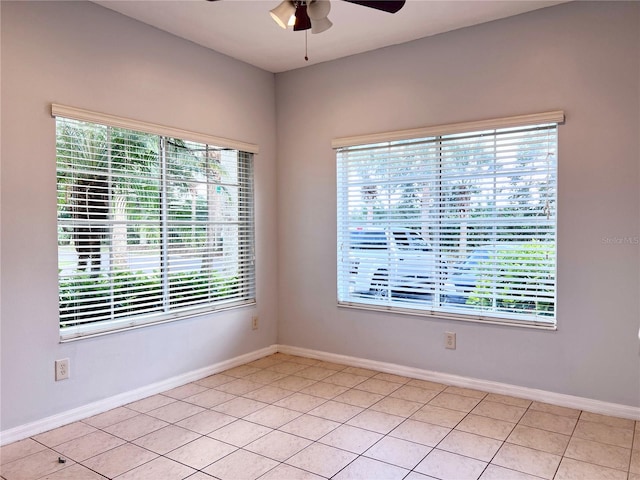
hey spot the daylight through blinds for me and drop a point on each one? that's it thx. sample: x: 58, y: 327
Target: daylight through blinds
x: 460, y: 225
x: 150, y: 228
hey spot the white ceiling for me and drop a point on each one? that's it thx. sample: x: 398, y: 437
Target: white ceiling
x: 243, y: 29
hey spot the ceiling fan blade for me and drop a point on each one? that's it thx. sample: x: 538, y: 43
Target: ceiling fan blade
x: 390, y: 6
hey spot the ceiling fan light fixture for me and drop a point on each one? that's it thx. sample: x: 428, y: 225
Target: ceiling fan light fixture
x: 318, y: 11
x: 322, y: 25
x: 283, y: 13
x: 303, y: 22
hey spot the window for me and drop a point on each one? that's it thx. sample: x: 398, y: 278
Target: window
x: 151, y: 227
x: 457, y: 221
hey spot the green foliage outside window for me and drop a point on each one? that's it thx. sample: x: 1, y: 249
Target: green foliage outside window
x: 128, y: 293
x: 519, y: 281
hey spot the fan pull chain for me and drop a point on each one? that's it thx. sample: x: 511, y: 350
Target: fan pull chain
x: 306, y: 36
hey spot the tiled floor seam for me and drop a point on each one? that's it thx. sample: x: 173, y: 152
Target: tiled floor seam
x: 273, y: 361
x: 151, y: 451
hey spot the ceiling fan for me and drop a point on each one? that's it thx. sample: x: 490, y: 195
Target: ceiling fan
x: 313, y: 14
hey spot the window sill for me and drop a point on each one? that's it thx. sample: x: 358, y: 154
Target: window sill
x: 99, y: 329
x: 463, y: 317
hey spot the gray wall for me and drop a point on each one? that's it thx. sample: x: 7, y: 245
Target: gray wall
x: 580, y: 57
x: 83, y: 55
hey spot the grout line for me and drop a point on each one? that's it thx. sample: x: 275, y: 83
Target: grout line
x: 295, y: 374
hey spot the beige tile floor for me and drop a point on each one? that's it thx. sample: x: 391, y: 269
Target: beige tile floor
x: 284, y: 417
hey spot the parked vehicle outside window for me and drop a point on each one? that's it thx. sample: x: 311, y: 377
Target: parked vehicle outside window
x: 390, y: 263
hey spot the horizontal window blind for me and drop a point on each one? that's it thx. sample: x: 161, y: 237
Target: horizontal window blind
x: 151, y: 228
x: 459, y: 225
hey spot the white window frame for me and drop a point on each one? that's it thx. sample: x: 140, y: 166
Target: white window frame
x: 243, y: 295
x: 348, y: 200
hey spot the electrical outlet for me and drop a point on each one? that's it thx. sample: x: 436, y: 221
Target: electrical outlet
x: 450, y: 340
x: 254, y: 322
x: 62, y: 369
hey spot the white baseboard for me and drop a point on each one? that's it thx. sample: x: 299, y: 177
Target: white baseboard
x: 86, y: 411
x: 69, y: 416
x: 570, y: 401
